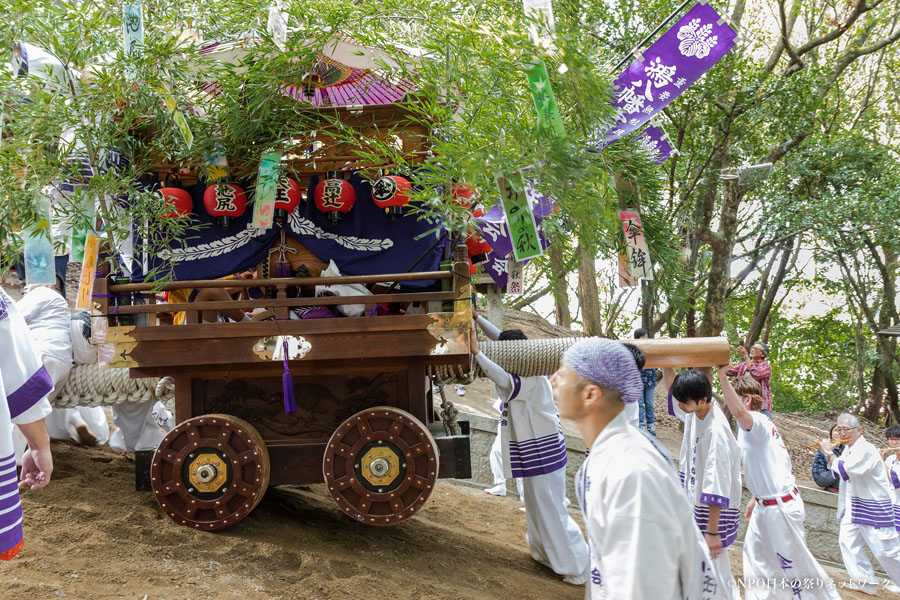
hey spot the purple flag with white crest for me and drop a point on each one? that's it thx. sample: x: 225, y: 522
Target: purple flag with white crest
x: 675, y: 61
x: 654, y: 142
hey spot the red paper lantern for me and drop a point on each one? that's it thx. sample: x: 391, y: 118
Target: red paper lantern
x: 464, y: 194
x: 391, y: 192
x: 334, y: 197
x: 225, y: 201
x: 478, y: 250
x: 178, y: 200
x: 287, y: 198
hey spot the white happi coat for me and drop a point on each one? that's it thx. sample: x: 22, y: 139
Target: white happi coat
x: 23, y: 384
x: 643, y: 539
x: 775, y: 540
x: 534, y: 449
x: 866, y: 496
x: 709, y: 465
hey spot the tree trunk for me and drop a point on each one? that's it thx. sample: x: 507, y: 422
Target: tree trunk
x: 588, y: 296
x: 860, y: 343
x: 558, y: 287
x: 876, y: 394
x: 762, y: 310
x: 721, y: 244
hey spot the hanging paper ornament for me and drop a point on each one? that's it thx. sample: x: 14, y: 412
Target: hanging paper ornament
x: 225, y: 201
x: 334, y: 197
x: 178, y: 200
x: 391, y: 192
x: 287, y: 198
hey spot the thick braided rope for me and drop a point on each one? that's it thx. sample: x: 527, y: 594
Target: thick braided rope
x: 92, y: 385
x: 526, y: 358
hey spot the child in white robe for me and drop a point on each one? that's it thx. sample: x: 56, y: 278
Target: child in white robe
x: 643, y: 541
x: 535, y: 450
x: 776, y: 558
x: 709, y: 465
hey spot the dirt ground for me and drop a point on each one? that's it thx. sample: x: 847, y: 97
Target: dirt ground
x: 89, y: 535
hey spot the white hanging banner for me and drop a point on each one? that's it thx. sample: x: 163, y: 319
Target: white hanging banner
x: 132, y: 32
x: 542, y: 13
x: 515, y: 280
x: 277, y: 25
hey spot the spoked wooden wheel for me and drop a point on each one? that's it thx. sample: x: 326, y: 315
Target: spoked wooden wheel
x: 381, y: 465
x: 210, y: 471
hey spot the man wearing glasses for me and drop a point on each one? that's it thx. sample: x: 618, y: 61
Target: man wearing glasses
x: 865, y: 507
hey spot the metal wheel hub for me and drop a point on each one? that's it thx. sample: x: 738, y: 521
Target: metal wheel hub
x: 379, y: 466
x: 208, y: 472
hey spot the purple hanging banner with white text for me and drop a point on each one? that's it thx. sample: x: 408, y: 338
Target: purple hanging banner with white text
x: 675, y: 61
x: 654, y: 142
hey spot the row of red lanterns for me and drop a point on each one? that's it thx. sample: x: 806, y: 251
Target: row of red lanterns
x: 333, y: 196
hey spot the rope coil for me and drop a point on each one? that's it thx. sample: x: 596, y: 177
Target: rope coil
x: 94, y: 385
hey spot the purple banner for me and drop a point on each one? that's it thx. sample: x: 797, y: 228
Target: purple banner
x: 675, y: 61
x: 654, y: 142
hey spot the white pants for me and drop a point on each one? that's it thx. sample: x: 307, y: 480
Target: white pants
x: 496, y: 460
x: 141, y: 425
x: 553, y: 537
x: 722, y: 566
x: 775, y: 548
x: 882, y: 541
x: 63, y: 423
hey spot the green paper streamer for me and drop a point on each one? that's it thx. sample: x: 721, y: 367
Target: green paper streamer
x: 266, y: 184
x: 544, y: 100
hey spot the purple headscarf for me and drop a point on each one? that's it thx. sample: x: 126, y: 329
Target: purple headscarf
x: 608, y: 364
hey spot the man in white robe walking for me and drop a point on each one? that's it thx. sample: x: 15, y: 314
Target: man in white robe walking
x: 777, y: 561
x: 535, y: 450
x: 643, y: 541
x: 865, y: 507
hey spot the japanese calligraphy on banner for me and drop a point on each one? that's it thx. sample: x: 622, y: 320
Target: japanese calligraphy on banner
x: 515, y: 279
x: 634, y: 261
x: 654, y: 142
x: 132, y: 32
x: 675, y: 61
x: 266, y: 184
x: 544, y: 100
x: 523, y: 230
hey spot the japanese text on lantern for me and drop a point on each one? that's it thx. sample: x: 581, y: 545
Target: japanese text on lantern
x: 636, y: 254
x: 519, y: 217
x: 331, y: 194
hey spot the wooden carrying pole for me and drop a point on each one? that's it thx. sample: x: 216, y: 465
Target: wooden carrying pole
x: 684, y: 352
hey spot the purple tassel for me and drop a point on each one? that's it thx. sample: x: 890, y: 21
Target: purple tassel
x: 287, y: 383
x: 282, y: 269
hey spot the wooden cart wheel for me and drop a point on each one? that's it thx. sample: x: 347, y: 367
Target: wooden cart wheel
x: 210, y: 471
x: 381, y: 465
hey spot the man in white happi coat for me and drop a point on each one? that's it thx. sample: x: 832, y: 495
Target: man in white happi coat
x: 777, y: 562
x: 643, y: 541
x: 865, y: 507
x: 709, y: 464
x: 535, y: 450
x: 23, y: 384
